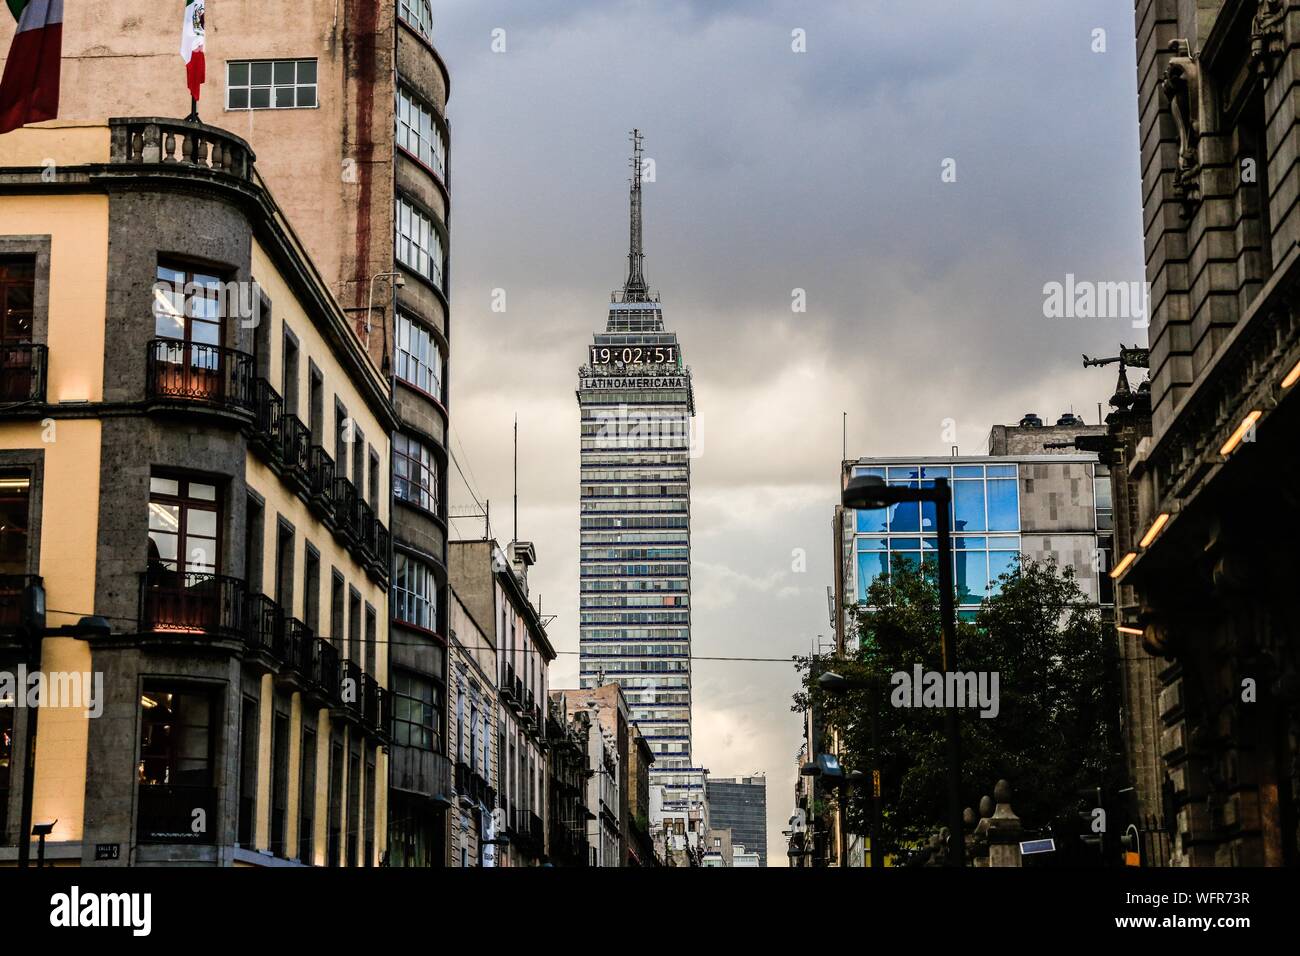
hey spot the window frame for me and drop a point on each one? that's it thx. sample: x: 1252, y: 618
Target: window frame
x: 272, y: 86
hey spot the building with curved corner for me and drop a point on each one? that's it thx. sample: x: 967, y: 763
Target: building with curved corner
x: 345, y: 106
x: 182, y: 455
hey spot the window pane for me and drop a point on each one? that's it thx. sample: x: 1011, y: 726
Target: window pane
x: 971, y: 576
x: 261, y: 73
x: 284, y: 97
x: 873, y: 520
x: 968, y: 506
x: 905, y: 516
x: 306, y: 71
x: 238, y: 100
x: 870, y: 566
x: 238, y: 74
x: 1001, y: 562
x: 1004, y: 507
x: 307, y: 96
x: 283, y: 71
x: 260, y: 98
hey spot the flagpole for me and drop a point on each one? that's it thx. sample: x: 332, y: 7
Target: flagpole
x: 194, y: 112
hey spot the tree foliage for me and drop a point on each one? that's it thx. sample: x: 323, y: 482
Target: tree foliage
x: 1056, y: 730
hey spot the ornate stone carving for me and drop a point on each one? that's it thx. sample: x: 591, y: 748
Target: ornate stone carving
x: 1180, y: 84
x: 1267, y: 36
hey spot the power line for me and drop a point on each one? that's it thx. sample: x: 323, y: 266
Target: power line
x: 488, y: 647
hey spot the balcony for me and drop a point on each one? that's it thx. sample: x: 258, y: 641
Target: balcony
x: 320, y: 479
x: 352, y: 690
x: 186, y: 603
x: 325, y: 670
x: 369, y: 700
x: 508, y: 687
x: 167, y: 814
x: 265, y: 625
x: 464, y: 786
x: 296, y: 646
x: 268, y: 414
x: 346, y: 514
x: 180, y: 146
x: 22, y: 372
x: 383, y: 551
x: 188, y: 372
x: 367, y: 530
x: 295, y: 451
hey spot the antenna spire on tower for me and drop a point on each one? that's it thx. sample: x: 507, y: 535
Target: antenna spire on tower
x: 635, y: 288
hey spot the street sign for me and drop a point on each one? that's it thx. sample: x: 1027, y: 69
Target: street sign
x: 108, y: 851
x: 1037, y: 846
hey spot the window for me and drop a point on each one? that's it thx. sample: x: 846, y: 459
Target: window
x: 311, y: 589
x: 415, y: 593
x: 15, y: 511
x: 418, y: 15
x: 270, y: 84
x: 183, y: 525
x: 354, y: 649
x: 189, y: 322
x: 415, y: 473
x: 372, y: 640
x: 419, y: 357
x: 6, y: 766
x: 307, y: 798
x: 372, y: 491
x: 17, y: 312
x: 417, y: 707
x: 342, y: 434
x: 419, y: 134
x: 359, y: 460
x: 334, y: 850
x: 284, y: 548
x: 336, y: 609
x: 289, y: 372
x: 176, y: 764
x: 248, y: 742
x: 17, y: 299
x: 419, y: 247
x: 279, y: 783
x: 255, y: 528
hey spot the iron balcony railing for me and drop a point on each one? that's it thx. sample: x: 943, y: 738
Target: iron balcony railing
x: 369, y: 700
x: 352, y: 689
x: 268, y: 416
x: 508, y: 685
x: 325, y: 668
x: 22, y: 372
x: 296, y: 649
x: 190, y: 603
x: 295, y: 449
x: 320, y: 470
x: 367, y: 532
x: 190, y: 372
x: 383, y: 550
x: 346, y: 514
x: 265, y: 624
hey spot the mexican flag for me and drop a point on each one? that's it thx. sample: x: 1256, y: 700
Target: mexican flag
x: 192, y: 46
x: 29, y: 90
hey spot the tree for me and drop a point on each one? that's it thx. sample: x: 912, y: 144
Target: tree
x: 1056, y: 729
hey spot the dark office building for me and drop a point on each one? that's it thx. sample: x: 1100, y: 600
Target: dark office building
x: 740, y: 804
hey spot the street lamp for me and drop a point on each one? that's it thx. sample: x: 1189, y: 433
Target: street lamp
x: 868, y: 492
x: 398, y: 282
x: 833, y: 683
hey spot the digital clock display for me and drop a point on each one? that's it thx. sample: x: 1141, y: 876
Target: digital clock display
x: 633, y: 355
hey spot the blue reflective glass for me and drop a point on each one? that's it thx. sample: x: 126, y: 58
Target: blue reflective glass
x: 1004, y: 505
x: 968, y: 506
x: 877, y: 519
x: 871, y: 544
x: 969, y: 544
x: 1001, y: 562
x: 905, y: 544
x: 870, y: 567
x: 903, y: 471
x: 971, y: 576
x: 930, y: 543
x: 905, y: 516
x: 874, y: 472
x: 969, y: 616
x: 1001, y: 471
x: 900, y: 558
x: 936, y: 471
x: 968, y: 471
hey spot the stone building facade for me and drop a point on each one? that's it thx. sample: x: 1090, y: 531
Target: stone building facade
x: 1205, y: 574
x: 163, y: 436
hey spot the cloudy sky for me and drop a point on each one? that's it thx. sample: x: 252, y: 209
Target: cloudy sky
x: 778, y: 171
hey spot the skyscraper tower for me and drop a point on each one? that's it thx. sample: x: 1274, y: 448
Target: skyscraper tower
x: 636, y: 402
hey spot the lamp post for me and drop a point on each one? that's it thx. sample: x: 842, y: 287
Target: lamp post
x: 398, y: 282
x: 868, y: 492
x: 833, y: 683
